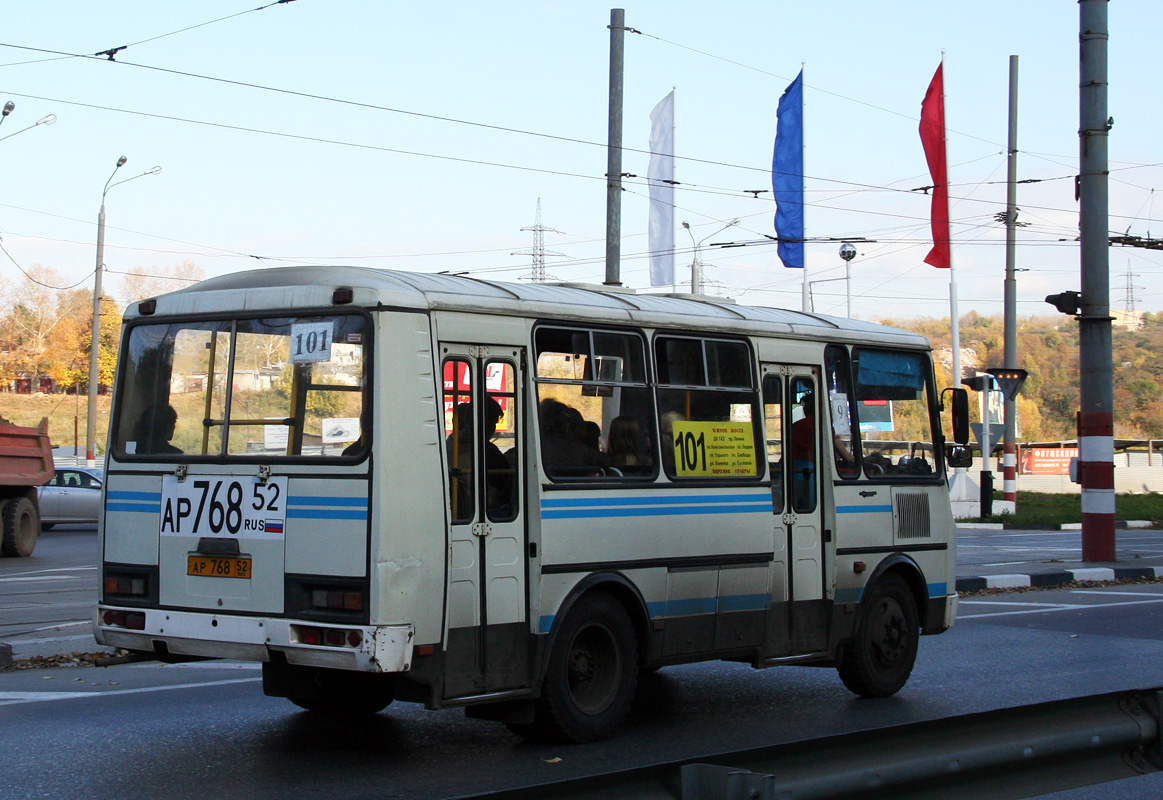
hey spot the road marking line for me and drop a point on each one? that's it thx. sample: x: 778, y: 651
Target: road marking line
x: 16, y: 698
x: 1010, y: 603
x: 1078, y: 607
x: 38, y: 578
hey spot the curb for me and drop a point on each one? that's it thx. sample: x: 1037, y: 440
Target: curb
x: 1121, y: 524
x: 22, y: 649
x: 1018, y: 581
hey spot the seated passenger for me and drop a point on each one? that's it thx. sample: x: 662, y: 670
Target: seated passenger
x: 154, y: 429
x: 624, y: 444
x: 562, y: 446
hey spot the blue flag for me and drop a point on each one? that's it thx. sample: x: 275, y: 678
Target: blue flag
x: 787, y: 174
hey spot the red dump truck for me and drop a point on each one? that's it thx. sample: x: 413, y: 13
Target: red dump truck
x: 25, y: 463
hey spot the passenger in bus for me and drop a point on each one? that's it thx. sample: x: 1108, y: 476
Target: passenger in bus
x: 667, y: 426
x: 499, y: 472
x: 563, y: 445
x: 624, y: 444
x: 154, y: 429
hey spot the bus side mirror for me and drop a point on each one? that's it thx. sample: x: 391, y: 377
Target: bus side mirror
x: 960, y: 413
x: 958, y: 455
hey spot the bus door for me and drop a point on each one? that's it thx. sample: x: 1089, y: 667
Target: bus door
x: 792, y: 405
x: 487, y: 635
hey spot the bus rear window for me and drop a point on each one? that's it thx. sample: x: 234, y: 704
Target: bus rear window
x: 269, y: 388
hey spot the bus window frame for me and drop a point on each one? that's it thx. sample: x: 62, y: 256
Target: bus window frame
x: 113, y: 444
x: 646, y: 386
x: 937, y: 456
x: 754, y: 390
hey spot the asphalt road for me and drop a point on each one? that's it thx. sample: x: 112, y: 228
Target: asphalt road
x: 206, y: 730
x: 52, y: 593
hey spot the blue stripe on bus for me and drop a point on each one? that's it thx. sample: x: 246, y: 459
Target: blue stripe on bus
x: 325, y: 513
x: 853, y: 595
x: 550, y: 502
x: 863, y: 509
x: 689, y: 607
x: 144, y: 496
x: 300, y: 500
x: 141, y: 508
x: 590, y: 513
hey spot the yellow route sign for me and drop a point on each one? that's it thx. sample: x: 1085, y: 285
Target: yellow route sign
x: 714, y: 449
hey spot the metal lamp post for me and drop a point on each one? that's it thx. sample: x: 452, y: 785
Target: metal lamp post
x: 697, y: 264
x: 8, y: 108
x: 848, y: 252
x: 95, y: 347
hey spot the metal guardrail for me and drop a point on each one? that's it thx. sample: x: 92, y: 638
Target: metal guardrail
x: 993, y: 755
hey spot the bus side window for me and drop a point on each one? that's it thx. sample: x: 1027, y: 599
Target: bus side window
x: 803, y: 445
x: 499, y: 442
x: 773, y: 433
x: 844, y: 441
x: 458, y: 439
x: 704, y: 386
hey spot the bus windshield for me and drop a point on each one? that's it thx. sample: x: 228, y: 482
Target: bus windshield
x: 281, y: 387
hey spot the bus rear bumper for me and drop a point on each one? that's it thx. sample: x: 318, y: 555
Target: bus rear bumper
x: 363, y: 648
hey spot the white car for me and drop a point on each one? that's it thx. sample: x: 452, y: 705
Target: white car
x: 72, y: 496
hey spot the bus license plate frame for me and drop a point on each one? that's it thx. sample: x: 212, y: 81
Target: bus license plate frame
x: 203, y: 566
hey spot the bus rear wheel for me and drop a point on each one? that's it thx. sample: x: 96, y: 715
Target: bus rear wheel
x: 880, y: 657
x: 21, y: 527
x: 591, y: 675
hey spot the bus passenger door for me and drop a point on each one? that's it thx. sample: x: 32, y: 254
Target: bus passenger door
x: 486, y: 643
x: 791, y: 409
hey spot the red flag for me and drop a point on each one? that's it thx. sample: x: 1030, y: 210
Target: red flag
x: 933, y: 140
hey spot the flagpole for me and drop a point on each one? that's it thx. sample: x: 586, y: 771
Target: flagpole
x: 674, y: 177
x: 955, y: 328
x: 804, y: 299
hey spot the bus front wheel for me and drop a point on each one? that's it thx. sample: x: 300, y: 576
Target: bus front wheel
x: 591, y: 674
x: 879, y: 659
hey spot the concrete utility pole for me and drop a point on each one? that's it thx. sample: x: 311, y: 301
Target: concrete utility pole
x: 1096, y: 379
x: 614, y: 152
x: 1010, y: 448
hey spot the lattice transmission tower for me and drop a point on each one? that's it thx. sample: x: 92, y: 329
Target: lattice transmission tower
x: 1129, y: 303
x: 538, y: 251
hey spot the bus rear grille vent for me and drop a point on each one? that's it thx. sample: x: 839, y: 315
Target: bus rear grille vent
x: 911, y: 514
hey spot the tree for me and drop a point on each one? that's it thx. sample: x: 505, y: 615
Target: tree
x: 140, y: 283
x: 35, y: 325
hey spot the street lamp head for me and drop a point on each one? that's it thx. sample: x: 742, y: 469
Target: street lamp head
x: 121, y: 162
x: 47, y: 120
x: 8, y: 108
x: 686, y: 224
x: 847, y: 251
x: 153, y: 171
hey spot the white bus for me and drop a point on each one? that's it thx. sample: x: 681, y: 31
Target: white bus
x: 513, y: 498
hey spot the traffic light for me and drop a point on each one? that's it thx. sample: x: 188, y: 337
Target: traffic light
x: 1066, y: 302
x: 980, y: 382
x: 1009, y: 381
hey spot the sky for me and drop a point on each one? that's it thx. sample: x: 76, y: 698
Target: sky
x: 423, y: 136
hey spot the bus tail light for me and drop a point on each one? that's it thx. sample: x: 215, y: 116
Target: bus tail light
x: 337, y: 600
x: 133, y: 585
x: 326, y: 637
x: 132, y: 620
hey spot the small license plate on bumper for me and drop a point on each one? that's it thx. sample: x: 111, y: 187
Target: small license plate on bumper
x: 218, y: 566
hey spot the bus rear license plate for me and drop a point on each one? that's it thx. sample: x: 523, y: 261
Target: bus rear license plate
x: 218, y: 567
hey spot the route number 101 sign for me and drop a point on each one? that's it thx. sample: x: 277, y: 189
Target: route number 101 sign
x: 310, y: 341
x: 714, y: 449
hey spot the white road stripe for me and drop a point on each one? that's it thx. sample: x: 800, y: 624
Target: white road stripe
x: 1079, y: 607
x: 14, y: 698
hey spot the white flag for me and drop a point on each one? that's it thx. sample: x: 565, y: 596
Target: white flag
x: 660, y: 178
